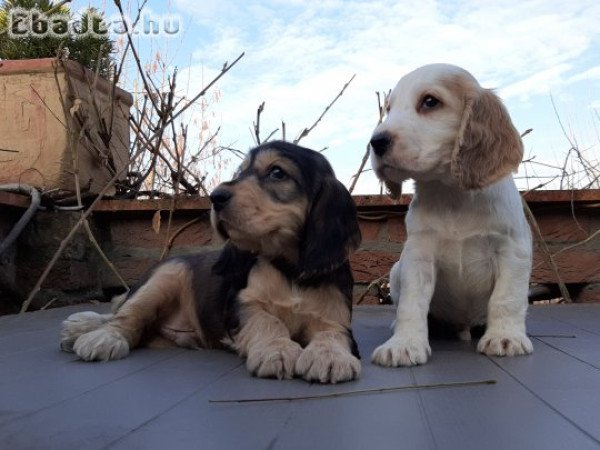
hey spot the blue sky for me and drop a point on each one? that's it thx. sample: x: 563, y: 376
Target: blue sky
x: 300, y: 53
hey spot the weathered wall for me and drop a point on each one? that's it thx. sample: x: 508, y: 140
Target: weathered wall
x: 125, y: 231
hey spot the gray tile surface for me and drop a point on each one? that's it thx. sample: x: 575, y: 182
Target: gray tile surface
x: 161, y: 399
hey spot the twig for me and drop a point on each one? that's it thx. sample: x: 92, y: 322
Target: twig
x: 360, y: 169
x: 371, y: 284
x: 305, y: 132
x: 75, y: 162
x: 169, y: 244
x: 256, y: 124
x: 382, y: 108
x: 546, y: 251
x: 361, y: 391
x: 526, y: 132
x: 74, y: 229
x: 577, y: 244
x: 562, y: 336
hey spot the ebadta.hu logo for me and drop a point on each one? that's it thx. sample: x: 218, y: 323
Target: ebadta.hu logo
x: 23, y: 23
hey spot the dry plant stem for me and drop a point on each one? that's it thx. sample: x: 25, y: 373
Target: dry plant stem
x: 371, y: 284
x: 177, y: 233
x: 361, y: 391
x: 226, y: 68
x: 305, y: 132
x: 577, y: 244
x: 135, y: 54
x: 381, y: 108
x: 69, y: 236
x: 75, y: 162
x: 256, y: 124
x: 546, y: 251
x: 360, y: 169
x: 180, y: 157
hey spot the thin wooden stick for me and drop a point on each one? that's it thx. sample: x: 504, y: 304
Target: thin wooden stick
x: 305, y: 132
x: 177, y: 233
x: 360, y: 391
x: 74, y: 229
x: 546, y: 251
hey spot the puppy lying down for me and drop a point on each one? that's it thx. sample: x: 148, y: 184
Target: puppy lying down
x: 467, y: 257
x: 279, y: 293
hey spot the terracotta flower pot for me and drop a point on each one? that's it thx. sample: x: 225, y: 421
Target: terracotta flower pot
x: 39, y: 131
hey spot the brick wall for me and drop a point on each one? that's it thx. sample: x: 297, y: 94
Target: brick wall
x: 126, y: 233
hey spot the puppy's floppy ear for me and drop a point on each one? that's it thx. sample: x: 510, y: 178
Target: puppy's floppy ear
x: 488, y: 147
x: 331, y: 230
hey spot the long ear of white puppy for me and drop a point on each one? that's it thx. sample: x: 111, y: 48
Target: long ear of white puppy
x: 488, y: 146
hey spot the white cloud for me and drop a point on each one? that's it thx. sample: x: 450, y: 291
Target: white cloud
x: 300, y: 53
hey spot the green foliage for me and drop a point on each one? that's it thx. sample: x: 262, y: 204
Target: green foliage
x: 92, y: 50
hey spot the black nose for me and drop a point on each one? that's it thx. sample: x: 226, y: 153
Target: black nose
x: 380, y: 143
x: 219, y: 198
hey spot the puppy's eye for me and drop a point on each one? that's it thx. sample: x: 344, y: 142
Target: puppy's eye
x: 429, y: 102
x: 277, y: 174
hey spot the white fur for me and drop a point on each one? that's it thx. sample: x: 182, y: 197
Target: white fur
x: 80, y: 323
x: 327, y: 360
x: 103, y: 344
x: 467, y: 258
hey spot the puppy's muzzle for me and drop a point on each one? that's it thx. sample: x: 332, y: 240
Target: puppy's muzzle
x: 219, y: 198
x: 380, y: 143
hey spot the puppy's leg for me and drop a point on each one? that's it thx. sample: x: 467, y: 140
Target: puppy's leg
x: 158, y: 295
x: 328, y: 357
x: 265, y: 342
x: 505, y: 332
x: 415, y: 276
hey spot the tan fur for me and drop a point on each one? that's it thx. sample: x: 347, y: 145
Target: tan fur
x: 488, y: 146
x: 269, y: 216
x: 167, y: 297
x: 273, y: 311
x: 257, y: 223
x: 161, y: 310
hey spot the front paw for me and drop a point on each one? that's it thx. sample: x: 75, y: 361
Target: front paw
x: 327, y: 364
x: 504, y: 343
x: 103, y: 344
x: 80, y: 323
x: 402, y: 351
x: 275, y: 359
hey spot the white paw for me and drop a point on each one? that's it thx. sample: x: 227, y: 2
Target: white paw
x: 504, y: 343
x: 274, y: 360
x: 101, y: 345
x: 327, y: 363
x: 402, y: 351
x: 80, y: 323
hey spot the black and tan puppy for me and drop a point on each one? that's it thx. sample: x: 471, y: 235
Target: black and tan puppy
x: 279, y: 293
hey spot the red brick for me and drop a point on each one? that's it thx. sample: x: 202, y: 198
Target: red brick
x: 370, y: 265
x: 132, y: 269
x: 589, y: 294
x: 370, y: 229
x: 396, y: 229
x: 563, y: 227
x: 574, y: 266
x: 138, y: 232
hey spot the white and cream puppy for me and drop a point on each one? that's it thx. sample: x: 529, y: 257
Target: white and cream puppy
x: 467, y: 258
